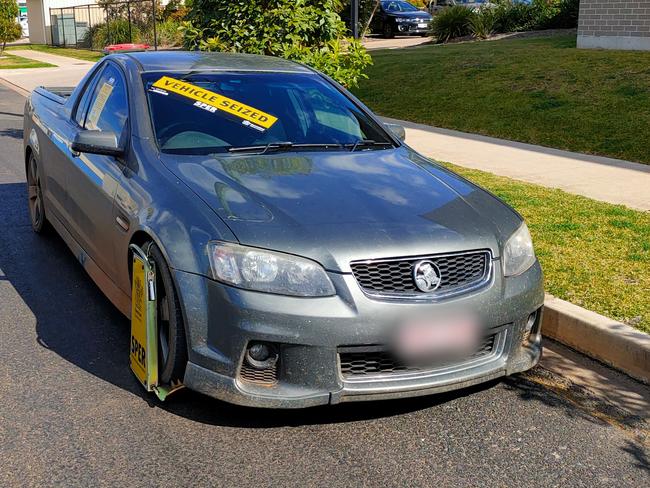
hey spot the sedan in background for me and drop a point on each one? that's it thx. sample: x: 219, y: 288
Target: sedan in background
x: 400, y: 18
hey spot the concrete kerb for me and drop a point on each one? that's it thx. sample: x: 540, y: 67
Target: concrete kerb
x: 613, y: 343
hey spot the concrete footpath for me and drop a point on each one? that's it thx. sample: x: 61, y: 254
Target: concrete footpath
x: 65, y: 72
x: 597, y: 177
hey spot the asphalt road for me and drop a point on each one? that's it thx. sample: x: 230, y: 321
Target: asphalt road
x: 72, y: 414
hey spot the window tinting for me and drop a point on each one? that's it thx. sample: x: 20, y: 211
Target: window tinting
x: 309, y: 110
x: 108, y: 108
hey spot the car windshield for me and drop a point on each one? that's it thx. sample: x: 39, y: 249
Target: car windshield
x: 202, y: 113
x: 398, y: 7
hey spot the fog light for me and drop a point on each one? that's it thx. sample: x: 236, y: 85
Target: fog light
x: 261, y: 356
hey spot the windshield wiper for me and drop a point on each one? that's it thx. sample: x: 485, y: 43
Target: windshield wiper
x: 368, y: 143
x: 282, y: 146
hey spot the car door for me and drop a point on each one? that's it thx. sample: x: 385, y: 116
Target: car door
x: 93, y: 178
x: 377, y: 23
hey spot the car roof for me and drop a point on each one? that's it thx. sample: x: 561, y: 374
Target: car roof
x: 202, y: 61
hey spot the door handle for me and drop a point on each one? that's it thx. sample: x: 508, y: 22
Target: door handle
x: 122, y: 222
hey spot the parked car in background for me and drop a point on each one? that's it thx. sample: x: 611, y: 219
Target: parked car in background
x: 22, y: 20
x: 400, y: 18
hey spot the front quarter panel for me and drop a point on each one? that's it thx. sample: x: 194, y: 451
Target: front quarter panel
x: 152, y: 200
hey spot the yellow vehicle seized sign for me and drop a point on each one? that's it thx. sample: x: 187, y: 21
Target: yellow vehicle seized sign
x: 144, y: 334
x: 217, y: 101
x: 143, y: 356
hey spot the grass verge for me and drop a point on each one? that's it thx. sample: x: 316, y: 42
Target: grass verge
x: 594, y: 254
x: 83, y: 54
x: 541, y: 91
x: 9, y: 61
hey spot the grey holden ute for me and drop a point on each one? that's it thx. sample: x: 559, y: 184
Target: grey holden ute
x: 305, y: 254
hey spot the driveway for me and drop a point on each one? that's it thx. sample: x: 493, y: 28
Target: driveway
x: 375, y: 42
x: 72, y: 413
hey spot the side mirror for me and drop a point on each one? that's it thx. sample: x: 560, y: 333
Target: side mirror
x: 96, y: 142
x: 397, y: 130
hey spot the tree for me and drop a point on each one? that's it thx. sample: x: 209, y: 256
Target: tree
x: 308, y: 31
x: 9, y: 27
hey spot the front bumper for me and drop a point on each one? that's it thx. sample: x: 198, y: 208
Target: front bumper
x: 411, y: 28
x: 221, y: 321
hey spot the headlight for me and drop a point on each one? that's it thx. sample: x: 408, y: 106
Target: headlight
x: 518, y: 253
x: 268, y: 271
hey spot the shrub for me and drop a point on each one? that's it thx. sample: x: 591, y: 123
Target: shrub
x: 168, y: 32
x: 483, y: 23
x: 563, y: 16
x: 512, y: 17
x: 452, y: 22
x: 308, y: 31
x: 115, y: 31
x: 540, y: 14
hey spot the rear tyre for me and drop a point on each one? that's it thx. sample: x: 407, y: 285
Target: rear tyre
x: 389, y: 33
x: 35, y: 197
x: 172, y: 345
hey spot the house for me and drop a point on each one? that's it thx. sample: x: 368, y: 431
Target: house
x: 40, y: 20
x: 614, y: 24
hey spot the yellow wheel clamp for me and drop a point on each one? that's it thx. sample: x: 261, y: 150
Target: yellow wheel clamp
x: 144, y: 325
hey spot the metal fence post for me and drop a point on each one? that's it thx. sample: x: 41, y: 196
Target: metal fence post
x: 74, y: 21
x: 63, y: 26
x: 354, y: 18
x: 128, y: 11
x: 155, y: 35
x: 108, y: 26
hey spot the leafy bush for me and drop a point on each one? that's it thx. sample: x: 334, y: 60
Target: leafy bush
x: 168, y: 32
x: 540, y: 14
x: 563, y: 16
x: 483, y: 23
x: 452, y: 22
x: 9, y: 29
x: 115, y: 31
x: 308, y: 31
x: 512, y: 17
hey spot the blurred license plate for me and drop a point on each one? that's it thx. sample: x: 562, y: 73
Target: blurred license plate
x: 422, y: 26
x: 442, y: 337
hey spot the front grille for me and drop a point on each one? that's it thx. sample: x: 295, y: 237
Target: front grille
x: 373, y: 363
x: 394, y: 276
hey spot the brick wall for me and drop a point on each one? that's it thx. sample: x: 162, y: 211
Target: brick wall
x: 614, y: 24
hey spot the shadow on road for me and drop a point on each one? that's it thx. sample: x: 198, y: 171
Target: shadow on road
x: 13, y: 133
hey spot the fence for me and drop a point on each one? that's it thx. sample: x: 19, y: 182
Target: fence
x: 97, y: 26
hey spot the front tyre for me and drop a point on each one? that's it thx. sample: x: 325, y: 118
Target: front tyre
x: 172, y: 345
x: 35, y: 197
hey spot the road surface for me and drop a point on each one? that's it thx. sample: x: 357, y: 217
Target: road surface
x: 72, y: 414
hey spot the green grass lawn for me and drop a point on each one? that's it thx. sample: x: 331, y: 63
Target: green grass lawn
x: 593, y: 254
x: 542, y: 91
x: 9, y: 61
x: 83, y: 54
